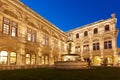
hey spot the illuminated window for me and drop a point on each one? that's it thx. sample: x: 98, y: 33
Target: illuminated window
x: 33, y: 59
x: 85, y: 33
x: 31, y: 35
x: 6, y: 26
x: 9, y: 27
x: 46, y: 58
x: 96, y: 46
x: 107, y: 44
x: 3, y: 57
x: 12, y: 58
x: 28, y: 59
x: 107, y: 28
x: 95, y: 31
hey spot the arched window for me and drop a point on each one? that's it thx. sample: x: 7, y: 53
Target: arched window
x: 85, y: 33
x: 3, y: 57
x: 107, y: 28
x: 33, y: 59
x: 28, y: 59
x: 77, y: 35
x: 13, y: 58
x: 95, y: 31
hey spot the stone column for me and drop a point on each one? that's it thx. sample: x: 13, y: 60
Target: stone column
x: 81, y: 53
x: 38, y: 54
x: 115, y: 54
x: 20, y: 58
x: 91, y: 48
x: 101, y: 48
x: 8, y: 58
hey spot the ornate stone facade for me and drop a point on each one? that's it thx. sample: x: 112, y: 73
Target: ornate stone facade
x: 26, y: 38
x: 97, y: 42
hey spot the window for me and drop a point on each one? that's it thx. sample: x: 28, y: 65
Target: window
x: 3, y: 57
x: 14, y: 29
x: 77, y: 35
x: 107, y: 44
x: 33, y: 59
x: 13, y: 58
x: 6, y: 26
x: 86, y: 47
x: 107, y: 28
x: 85, y: 33
x: 77, y: 49
x: 45, y: 40
x: 28, y: 59
x: 31, y: 35
x: 96, y: 46
x: 9, y: 27
x: 95, y: 31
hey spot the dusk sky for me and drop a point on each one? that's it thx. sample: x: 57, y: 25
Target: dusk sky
x: 70, y: 14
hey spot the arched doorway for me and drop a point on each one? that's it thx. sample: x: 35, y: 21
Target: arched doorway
x: 97, y: 61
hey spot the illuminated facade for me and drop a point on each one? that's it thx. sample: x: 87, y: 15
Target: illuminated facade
x: 97, y: 42
x: 27, y: 39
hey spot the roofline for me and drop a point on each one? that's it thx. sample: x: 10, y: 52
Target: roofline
x: 87, y: 25
x: 37, y: 15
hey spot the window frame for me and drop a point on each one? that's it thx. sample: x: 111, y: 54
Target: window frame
x: 77, y: 36
x: 95, y: 30
x: 7, y: 24
x: 107, y: 27
x: 85, y: 33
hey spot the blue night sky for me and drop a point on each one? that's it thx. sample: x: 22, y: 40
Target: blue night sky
x: 70, y: 14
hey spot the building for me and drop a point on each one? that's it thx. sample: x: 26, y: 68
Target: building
x: 96, y: 42
x: 27, y: 39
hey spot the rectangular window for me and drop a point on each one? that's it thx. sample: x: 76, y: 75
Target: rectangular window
x: 33, y: 58
x: 107, y: 44
x: 6, y: 26
x: 31, y: 35
x: 28, y: 59
x: 77, y: 48
x: 9, y: 27
x: 96, y: 46
x: 12, y: 58
x: 86, y: 48
x: 45, y: 40
x: 14, y: 29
